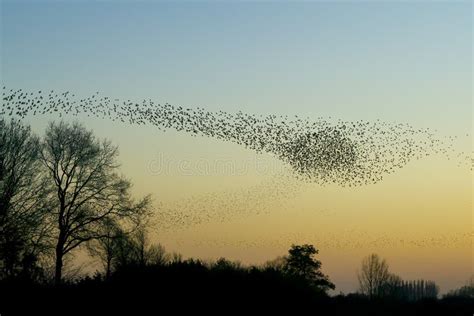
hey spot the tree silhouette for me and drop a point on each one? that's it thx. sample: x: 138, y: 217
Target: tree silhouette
x: 22, y: 195
x: 88, y: 191
x: 118, y: 247
x: 107, y: 246
x: 373, y: 275
x: 135, y: 249
x: 301, y: 263
x: 393, y: 287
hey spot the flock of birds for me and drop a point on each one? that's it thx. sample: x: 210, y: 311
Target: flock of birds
x: 348, y: 239
x: 271, y: 193
x: 319, y: 151
x: 315, y: 151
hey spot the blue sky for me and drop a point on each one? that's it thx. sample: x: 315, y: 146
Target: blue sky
x: 405, y: 61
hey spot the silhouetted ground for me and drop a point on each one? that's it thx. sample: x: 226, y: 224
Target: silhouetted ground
x: 193, y: 288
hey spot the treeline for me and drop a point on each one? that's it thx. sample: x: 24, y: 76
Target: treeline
x: 415, y: 289
x: 466, y: 290
x: 375, y: 280
x: 144, y: 277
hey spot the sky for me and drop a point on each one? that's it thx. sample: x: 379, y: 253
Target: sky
x: 402, y: 62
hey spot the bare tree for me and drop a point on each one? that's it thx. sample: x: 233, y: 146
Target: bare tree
x: 22, y: 193
x: 157, y: 255
x: 107, y: 247
x: 88, y: 191
x: 373, y: 275
x: 136, y: 249
x: 120, y: 247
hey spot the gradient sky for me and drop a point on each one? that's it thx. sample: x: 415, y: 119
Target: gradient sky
x: 408, y: 62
